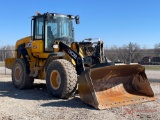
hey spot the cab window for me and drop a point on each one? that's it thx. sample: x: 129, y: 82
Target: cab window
x: 38, y: 28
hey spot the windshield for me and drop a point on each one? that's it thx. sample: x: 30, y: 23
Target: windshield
x: 58, y: 28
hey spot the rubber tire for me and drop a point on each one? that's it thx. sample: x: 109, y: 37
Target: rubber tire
x: 68, y: 76
x: 26, y: 81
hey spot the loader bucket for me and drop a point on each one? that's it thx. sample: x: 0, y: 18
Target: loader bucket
x: 114, y: 86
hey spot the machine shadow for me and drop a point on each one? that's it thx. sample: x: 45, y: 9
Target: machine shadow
x: 75, y: 102
x: 39, y: 92
x: 36, y: 92
x: 154, y: 80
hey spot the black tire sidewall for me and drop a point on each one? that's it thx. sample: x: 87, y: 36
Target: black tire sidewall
x: 18, y: 62
x: 68, y: 76
x: 25, y: 80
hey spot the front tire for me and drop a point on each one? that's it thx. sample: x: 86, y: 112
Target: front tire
x: 20, y: 75
x: 61, y: 79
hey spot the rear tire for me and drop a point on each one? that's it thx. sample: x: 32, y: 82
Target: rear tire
x: 20, y: 75
x: 61, y: 79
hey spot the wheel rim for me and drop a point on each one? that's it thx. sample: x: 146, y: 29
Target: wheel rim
x: 55, y: 79
x: 18, y: 73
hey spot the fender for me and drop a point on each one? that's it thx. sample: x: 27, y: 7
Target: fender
x: 52, y: 56
x: 21, y: 50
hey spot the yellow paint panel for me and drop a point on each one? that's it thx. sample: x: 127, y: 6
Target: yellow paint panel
x: 41, y: 55
x: 37, y: 46
x: 9, y: 62
x: 23, y: 40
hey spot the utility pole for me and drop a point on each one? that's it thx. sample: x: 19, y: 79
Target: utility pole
x: 5, y: 57
x: 130, y: 50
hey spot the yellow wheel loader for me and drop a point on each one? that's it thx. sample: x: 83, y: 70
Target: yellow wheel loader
x: 51, y: 54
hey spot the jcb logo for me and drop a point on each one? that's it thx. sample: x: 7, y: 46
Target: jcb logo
x: 72, y: 54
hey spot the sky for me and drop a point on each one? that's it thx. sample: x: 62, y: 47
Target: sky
x: 116, y: 22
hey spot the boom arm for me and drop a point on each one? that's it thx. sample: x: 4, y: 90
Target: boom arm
x: 75, y: 56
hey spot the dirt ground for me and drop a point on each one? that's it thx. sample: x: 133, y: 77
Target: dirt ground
x: 37, y: 104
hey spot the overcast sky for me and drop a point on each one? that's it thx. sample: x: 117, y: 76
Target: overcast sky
x: 116, y: 22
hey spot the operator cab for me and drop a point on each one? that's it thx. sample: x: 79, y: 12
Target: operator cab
x: 52, y: 26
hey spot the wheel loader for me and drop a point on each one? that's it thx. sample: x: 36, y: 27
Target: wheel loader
x: 50, y: 53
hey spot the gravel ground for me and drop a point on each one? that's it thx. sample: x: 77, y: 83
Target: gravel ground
x: 37, y: 104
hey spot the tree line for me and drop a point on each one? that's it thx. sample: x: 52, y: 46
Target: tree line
x: 131, y: 52
x: 6, y: 52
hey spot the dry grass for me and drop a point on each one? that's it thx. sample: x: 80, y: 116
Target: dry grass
x: 152, y: 67
x: 2, y: 64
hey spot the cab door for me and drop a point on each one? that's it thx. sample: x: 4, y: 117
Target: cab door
x: 38, y: 37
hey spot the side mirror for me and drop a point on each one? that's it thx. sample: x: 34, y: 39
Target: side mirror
x: 77, y: 19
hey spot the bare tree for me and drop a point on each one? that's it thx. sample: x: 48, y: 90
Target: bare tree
x: 134, y: 52
x: 111, y: 53
x: 123, y: 54
x: 157, y: 49
x: 6, y: 52
x: 126, y: 53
